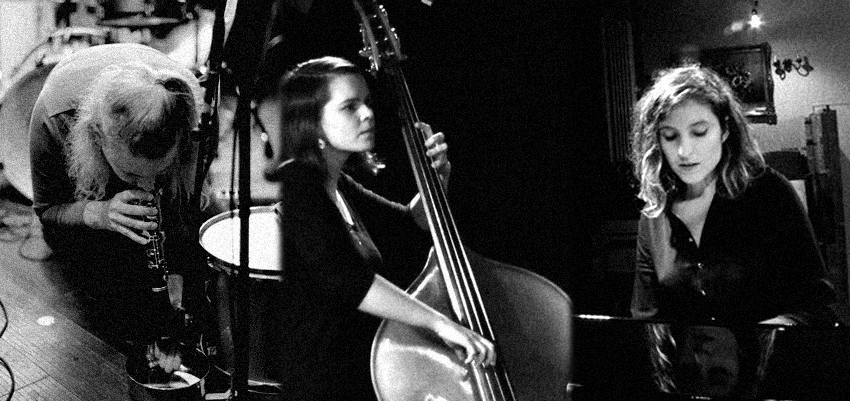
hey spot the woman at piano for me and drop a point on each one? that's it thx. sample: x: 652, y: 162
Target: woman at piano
x: 722, y: 236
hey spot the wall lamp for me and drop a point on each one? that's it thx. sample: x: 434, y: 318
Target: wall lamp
x: 785, y: 66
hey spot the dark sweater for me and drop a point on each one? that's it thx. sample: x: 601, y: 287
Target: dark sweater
x: 329, y: 267
x: 757, y: 259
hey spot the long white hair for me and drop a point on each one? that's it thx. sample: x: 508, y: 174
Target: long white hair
x: 148, y: 110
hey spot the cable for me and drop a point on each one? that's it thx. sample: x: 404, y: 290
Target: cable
x: 29, y: 235
x: 11, y: 378
x: 3, y: 361
x: 5, y: 318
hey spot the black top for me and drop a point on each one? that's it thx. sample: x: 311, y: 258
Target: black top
x: 757, y: 259
x: 329, y: 267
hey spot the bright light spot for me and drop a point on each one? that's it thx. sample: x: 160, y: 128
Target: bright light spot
x: 755, y: 21
x: 46, y: 320
x: 595, y: 317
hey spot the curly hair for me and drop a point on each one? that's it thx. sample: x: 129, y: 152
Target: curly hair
x: 740, y: 161
x: 304, y: 91
x: 149, y: 110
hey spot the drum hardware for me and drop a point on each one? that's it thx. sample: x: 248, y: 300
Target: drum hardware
x: 59, y: 44
x: 138, y: 21
x: 241, y: 303
x: 68, y: 13
x: 143, y: 13
x: 66, y: 41
x: 64, y: 11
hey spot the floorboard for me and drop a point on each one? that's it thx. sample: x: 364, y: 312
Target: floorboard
x: 49, y: 343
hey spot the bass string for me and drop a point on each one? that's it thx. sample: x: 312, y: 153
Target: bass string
x: 436, y: 202
x: 449, y: 247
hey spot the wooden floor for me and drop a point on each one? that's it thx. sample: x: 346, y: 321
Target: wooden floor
x: 49, y: 345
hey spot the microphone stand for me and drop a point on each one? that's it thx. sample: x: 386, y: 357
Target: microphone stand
x: 207, y: 133
x: 242, y: 298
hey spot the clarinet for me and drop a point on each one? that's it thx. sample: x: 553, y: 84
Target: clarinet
x: 154, y: 250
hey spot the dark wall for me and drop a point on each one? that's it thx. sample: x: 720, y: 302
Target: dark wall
x: 518, y: 89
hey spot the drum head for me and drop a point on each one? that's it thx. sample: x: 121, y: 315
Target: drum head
x: 220, y: 237
x: 15, y: 109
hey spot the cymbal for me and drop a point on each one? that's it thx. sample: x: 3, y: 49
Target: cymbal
x: 139, y: 21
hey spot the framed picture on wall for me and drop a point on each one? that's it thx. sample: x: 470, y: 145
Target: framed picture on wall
x: 747, y: 69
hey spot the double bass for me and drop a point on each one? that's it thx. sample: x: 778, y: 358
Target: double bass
x: 527, y: 317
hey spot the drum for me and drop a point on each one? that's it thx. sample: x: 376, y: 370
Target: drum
x: 15, y: 109
x: 219, y: 236
x: 17, y: 101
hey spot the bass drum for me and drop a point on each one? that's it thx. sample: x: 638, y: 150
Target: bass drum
x: 219, y: 236
x: 17, y: 101
x: 15, y: 109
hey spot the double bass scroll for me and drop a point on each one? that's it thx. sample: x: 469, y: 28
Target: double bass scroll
x: 525, y: 315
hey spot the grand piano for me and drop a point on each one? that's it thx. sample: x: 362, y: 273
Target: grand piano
x: 618, y: 358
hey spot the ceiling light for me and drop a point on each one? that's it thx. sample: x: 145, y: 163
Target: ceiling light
x: 755, y: 19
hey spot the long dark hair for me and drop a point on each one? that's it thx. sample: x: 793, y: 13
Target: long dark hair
x: 304, y: 91
x: 740, y: 160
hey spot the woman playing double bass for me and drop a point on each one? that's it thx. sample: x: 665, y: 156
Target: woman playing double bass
x: 330, y: 285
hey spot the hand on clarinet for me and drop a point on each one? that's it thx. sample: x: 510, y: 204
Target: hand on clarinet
x: 437, y: 151
x: 475, y: 348
x: 122, y: 214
